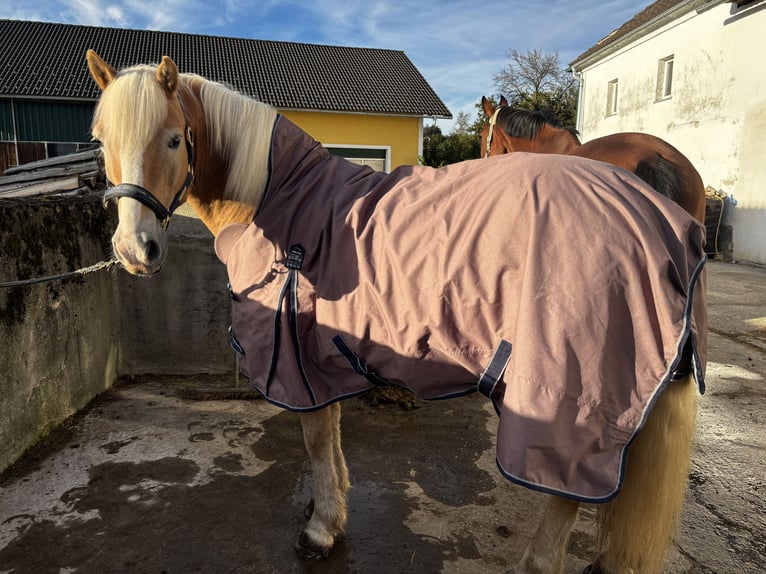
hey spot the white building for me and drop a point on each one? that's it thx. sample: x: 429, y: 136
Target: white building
x: 693, y: 73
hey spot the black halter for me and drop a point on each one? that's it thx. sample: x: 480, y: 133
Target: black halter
x: 146, y: 197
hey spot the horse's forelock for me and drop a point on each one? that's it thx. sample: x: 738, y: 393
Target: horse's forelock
x: 132, y: 107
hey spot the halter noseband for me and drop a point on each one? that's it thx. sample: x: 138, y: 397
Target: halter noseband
x: 146, y: 197
x: 492, y: 122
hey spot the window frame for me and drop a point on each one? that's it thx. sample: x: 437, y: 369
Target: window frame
x: 665, y: 68
x: 375, y: 153
x: 612, y: 97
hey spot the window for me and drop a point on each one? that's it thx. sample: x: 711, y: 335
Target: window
x: 664, y: 79
x: 377, y: 157
x: 611, y: 98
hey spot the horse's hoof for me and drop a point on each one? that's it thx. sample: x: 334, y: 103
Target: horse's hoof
x: 309, y: 550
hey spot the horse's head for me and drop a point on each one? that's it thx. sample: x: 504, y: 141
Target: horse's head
x: 515, y: 129
x: 148, y: 155
x: 493, y: 140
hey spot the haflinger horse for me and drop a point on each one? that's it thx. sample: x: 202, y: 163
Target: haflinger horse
x: 652, y: 159
x: 565, y: 290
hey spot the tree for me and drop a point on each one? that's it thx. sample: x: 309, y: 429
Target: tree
x: 536, y: 81
x: 462, y: 143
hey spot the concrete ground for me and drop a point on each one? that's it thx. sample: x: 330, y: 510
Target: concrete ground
x: 146, y: 481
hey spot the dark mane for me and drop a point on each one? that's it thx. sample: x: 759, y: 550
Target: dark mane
x: 519, y: 123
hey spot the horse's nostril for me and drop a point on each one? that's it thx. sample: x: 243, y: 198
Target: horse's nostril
x: 153, y: 251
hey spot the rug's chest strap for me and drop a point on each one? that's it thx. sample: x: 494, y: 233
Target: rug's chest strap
x: 289, y: 294
x: 287, y: 302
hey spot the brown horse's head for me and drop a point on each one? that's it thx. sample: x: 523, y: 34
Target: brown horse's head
x: 148, y: 155
x: 493, y: 140
x: 513, y: 129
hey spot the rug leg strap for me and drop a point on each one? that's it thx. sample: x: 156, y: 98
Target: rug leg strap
x: 494, y: 371
x: 357, y: 363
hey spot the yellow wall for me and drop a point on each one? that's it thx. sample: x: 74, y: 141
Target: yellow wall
x: 400, y: 133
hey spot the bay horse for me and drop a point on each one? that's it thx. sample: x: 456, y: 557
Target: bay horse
x: 258, y: 182
x: 652, y: 159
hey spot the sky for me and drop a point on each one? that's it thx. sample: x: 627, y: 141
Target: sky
x: 457, y: 45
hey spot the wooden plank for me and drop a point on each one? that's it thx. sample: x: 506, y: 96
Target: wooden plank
x: 49, y: 172
x: 62, y: 159
x: 51, y: 186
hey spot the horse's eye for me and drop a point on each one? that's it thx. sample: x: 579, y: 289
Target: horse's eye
x: 175, y: 141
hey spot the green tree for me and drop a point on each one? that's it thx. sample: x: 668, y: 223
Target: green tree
x: 536, y: 81
x: 461, y: 144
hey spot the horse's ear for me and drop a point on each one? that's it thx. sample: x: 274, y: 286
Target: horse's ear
x: 102, y: 72
x: 487, y: 106
x: 167, y: 75
x: 503, y: 101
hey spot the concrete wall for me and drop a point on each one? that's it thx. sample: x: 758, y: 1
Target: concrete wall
x: 716, y: 114
x: 64, y: 342
x: 176, y: 322
x: 58, y: 340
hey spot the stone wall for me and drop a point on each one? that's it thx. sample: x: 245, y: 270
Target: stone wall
x: 63, y: 342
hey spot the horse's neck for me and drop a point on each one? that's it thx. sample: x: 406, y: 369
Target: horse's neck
x: 206, y: 195
x: 554, y: 140
x: 218, y: 213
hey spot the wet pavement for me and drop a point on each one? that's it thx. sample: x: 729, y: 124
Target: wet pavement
x: 147, y: 481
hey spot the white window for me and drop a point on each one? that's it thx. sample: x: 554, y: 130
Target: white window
x: 611, y: 98
x: 664, y: 78
x: 377, y: 157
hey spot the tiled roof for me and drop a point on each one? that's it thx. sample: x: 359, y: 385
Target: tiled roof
x: 47, y: 60
x: 644, y: 17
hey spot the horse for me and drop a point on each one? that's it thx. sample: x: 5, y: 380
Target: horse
x: 258, y: 183
x: 652, y: 159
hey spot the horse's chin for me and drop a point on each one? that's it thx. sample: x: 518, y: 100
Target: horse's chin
x: 140, y: 270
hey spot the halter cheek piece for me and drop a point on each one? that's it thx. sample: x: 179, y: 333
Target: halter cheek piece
x: 146, y: 197
x: 492, y: 122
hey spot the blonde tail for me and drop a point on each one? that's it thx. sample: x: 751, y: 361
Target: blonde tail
x: 635, y: 528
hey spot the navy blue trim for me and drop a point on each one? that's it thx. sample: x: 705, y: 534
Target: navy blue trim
x: 687, y: 335
x: 699, y: 376
x: 294, y: 263
x: 269, y: 165
x: 234, y: 343
x: 277, y: 333
x: 312, y: 408
x: 556, y: 492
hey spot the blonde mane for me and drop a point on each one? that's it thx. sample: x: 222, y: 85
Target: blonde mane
x: 239, y: 127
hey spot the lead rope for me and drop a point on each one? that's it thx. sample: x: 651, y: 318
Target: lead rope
x: 83, y: 271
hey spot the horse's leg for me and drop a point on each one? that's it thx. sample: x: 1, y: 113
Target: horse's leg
x: 635, y: 528
x: 545, y: 552
x: 341, y: 469
x: 321, y: 435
